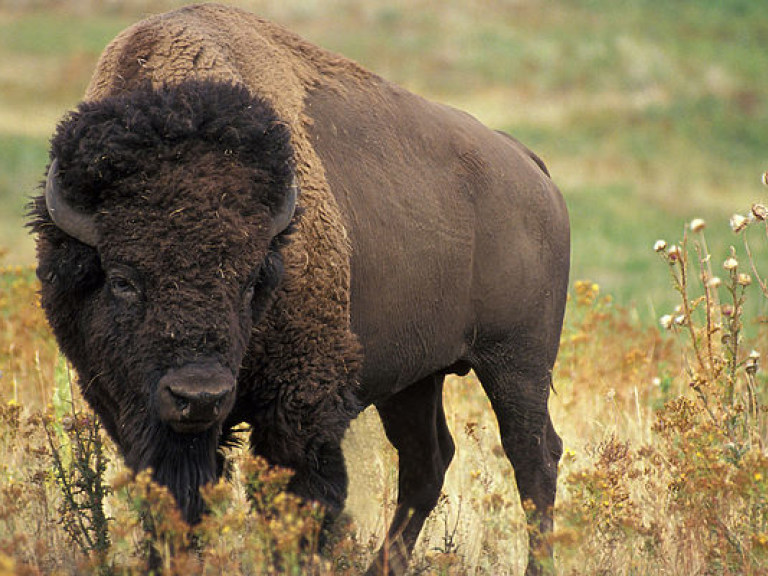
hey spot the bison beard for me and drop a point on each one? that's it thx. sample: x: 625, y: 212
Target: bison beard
x: 182, y: 463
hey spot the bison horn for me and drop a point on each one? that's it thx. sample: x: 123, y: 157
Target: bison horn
x: 285, y: 213
x: 70, y: 220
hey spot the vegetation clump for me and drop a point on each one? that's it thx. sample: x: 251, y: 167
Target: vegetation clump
x: 694, y: 499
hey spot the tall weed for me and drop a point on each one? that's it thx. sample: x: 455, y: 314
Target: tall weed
x: 695, y: 498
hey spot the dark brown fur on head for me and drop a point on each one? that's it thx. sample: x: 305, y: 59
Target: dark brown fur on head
x: 182, y: 182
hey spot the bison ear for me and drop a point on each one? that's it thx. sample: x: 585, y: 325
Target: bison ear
x: 285, y: 211
x: 69, y: 267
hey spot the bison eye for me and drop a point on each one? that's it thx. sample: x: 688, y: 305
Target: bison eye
x: 249, y: 288
x: 123, y: 287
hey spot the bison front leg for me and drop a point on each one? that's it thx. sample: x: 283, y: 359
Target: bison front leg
x: 414, y: 422
x: 319, y: 470
x: 322, y: 478
x: 302, y: 431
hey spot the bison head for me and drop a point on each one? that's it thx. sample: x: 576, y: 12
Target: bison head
x: 159, y: 236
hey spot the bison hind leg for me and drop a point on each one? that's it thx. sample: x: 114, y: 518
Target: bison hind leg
x: 414, y: 422
x: 518, y: 387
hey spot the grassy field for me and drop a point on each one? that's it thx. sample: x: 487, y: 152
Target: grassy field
x: 648, y: 114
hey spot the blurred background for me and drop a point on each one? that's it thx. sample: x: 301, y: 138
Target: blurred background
x: 648, y: 112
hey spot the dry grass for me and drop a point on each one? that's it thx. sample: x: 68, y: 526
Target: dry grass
x: 649, y: 458
x: 664, y: 469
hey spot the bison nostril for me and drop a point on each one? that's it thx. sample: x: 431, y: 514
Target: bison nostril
x: 182, y: 403
x: 197, y: 405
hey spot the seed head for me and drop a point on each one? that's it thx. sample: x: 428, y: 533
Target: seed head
x: 660, y: 246
x: 666, y: 321
x: 697, y: 225
x: 760, y: 212
x: 738, y: 223
x: 67, y: 423
x: 731, y: 263
x: 752, y: 362
x: 714, y: 282
x: 674, y: 253
x: 744, y: 279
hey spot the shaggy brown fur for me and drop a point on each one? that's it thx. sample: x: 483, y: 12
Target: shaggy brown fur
x: 427, y: 244
x: 210, y: 42
x: 148, y: 154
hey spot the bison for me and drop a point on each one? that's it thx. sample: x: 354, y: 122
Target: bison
x: 239, y: 226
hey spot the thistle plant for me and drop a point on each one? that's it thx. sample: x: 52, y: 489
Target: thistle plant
x: 694, y: 499
x: 79, y: 463
x: 712, y: 445
x: 720, y: 368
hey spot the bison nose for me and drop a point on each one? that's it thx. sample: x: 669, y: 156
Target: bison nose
x: 198, y: 404
x: 194, y: 397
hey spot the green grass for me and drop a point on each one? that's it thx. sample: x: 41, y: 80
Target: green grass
x: 44, y: 34
x: 614, y: 230
x: 613, y: 233
x: 21, y: 159
x: 49, y: 56
x: 648, y: 113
